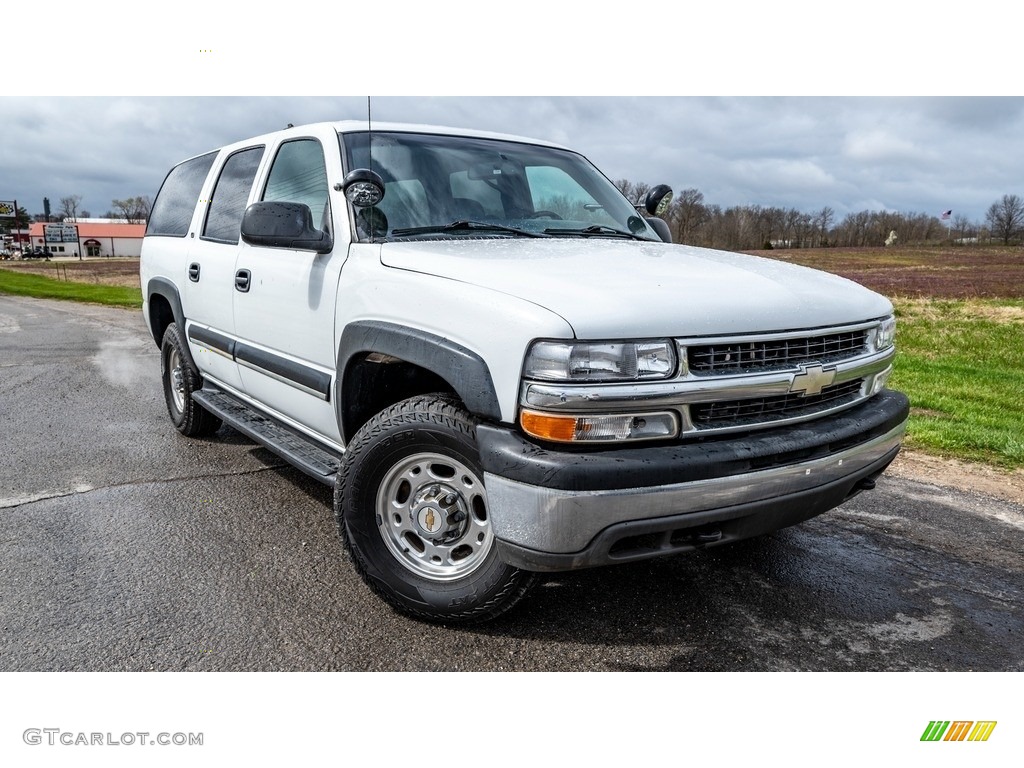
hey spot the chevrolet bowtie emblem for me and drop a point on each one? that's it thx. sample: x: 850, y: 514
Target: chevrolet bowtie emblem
x: 811, y: 380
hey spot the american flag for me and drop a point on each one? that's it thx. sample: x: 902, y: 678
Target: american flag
x: 946, y: 214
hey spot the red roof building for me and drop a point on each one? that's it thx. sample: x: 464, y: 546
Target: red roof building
x: 95, y: 239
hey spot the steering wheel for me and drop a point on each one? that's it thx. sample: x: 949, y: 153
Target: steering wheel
x: 544, y: 215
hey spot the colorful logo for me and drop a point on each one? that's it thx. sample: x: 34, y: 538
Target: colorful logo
x: 7, y: 209
x: 959, y: 730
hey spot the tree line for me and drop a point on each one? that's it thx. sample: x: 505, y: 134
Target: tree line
x: 134, y: 210
x: 693, y: 221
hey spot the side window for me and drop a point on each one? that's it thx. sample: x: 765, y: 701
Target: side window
x: 224, y: 216
x: 299, y: 176
x: 177, y: 198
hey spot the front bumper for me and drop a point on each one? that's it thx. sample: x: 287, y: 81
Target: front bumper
x: 557, y: 510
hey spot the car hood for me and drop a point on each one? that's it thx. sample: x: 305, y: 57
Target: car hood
x: 607, y: 288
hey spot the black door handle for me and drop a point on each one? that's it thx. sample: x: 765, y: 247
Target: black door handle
x: 242, y: 278
x: 193, y: 272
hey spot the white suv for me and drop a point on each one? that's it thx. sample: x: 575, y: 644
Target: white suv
x: 499, y: 363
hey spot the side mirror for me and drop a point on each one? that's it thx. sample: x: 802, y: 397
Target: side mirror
x: 284, y: 225
x: 661, y: 227
x: 658, y: 200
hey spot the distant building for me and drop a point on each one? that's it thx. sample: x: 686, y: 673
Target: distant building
x: 96, y: 238
x: 16, y: 238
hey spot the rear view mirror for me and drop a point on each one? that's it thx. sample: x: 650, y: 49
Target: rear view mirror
x: 284, y: 225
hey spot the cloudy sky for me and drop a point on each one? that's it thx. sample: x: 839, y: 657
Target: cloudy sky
x: 849, y: 148
x: 850, y: 153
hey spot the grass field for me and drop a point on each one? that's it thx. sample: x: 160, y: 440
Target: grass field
x: 24, y: 282
x: 122, y: 272
x: 960, y: 340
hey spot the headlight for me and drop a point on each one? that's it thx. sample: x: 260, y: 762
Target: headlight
x: 601, y: 361
x: 885, y: 333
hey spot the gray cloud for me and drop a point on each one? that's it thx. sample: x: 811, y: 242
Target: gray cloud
x: 907, y: 154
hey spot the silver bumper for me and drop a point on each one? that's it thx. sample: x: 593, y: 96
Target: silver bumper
x: 562, y: 522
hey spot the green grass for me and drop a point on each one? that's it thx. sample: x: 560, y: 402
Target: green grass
x: 25, y: 284
x: 961, y: 362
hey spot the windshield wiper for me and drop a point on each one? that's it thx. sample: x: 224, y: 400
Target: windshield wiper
x: 595, y: 230
x: 464, y: 225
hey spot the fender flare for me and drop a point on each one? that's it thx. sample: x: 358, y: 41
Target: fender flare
x: 161, y: 286
x: 462, y: 368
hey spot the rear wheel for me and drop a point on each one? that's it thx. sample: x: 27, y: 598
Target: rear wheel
x: 179, y: 382
x: 412, y: 511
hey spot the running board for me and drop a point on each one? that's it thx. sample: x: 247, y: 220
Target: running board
x: 297, y: 449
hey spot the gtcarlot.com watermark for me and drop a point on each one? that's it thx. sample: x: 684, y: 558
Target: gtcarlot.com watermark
x: 54, y: 737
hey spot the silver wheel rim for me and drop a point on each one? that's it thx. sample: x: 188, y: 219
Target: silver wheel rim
x: 177, y: 379
x: 432, y: 515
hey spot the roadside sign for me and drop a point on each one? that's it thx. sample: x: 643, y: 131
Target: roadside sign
x: 8, y: 209
x: 61, y: 233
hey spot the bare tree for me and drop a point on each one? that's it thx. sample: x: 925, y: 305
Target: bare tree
x: 1006, y: 217
x: 69, y: 206
x: 962, y: 226
x: 134, y: 210
x: 635, y: 192
x: 823, y: 222
x: 686, y: 214
x: 793, y: 228
x: 626, y: 187
x: 771, y: 223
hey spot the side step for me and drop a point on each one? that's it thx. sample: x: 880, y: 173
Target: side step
x: 297, y: 449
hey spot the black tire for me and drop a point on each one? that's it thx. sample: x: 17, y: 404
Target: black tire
x: 412, y: 513
x: 179, y: 382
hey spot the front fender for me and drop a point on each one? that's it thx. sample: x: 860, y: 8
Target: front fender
x: 463, y: 369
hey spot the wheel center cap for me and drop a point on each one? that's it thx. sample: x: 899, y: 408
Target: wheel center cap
x: 430, y: 519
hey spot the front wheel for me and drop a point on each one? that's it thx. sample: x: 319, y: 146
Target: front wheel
x: 412, y: 511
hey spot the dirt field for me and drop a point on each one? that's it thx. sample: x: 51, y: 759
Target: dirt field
x: 950, y: 272
x: 123, y: 272
x: 944, y: 272
x: 993, y: 272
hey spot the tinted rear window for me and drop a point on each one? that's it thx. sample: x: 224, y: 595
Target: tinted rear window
x: 172, y: 211
x: 224, y: 216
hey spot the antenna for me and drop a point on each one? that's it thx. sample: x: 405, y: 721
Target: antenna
x: 369, y: 131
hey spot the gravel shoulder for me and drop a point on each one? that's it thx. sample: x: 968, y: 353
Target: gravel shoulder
x: 961, y: 475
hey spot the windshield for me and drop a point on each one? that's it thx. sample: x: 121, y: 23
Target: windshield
x: 455, y: 186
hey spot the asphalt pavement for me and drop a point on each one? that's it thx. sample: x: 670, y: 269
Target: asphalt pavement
x: 125, y: 546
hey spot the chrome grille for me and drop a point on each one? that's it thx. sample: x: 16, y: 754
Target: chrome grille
x: 774, y: 354
x: 762, y: 410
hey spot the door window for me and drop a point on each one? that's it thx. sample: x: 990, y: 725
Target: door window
x: 299, y: 176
